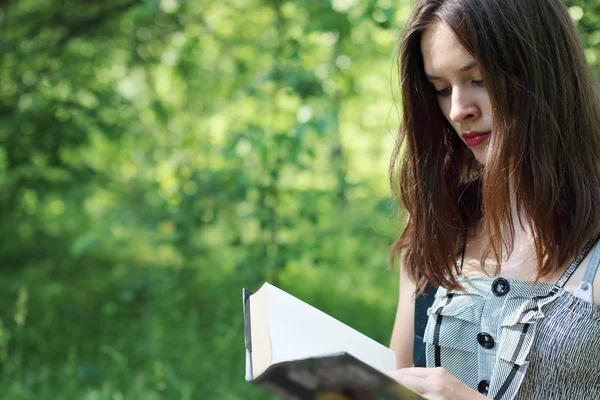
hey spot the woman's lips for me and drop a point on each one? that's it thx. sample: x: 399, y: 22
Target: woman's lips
x: 475, y: 138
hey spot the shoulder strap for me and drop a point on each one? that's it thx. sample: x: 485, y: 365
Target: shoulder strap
x: 592, y: 267
x: 573, y: 266
x: 461, y: 254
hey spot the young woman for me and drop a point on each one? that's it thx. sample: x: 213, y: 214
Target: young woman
x: 498, y: 169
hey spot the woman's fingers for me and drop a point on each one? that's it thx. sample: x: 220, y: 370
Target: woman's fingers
x: 416, y: 383
x: 435, y: 384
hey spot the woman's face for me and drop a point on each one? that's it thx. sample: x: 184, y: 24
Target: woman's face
x: 462, y: 97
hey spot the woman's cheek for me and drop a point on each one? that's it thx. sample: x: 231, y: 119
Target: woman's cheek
x: 446, y: 105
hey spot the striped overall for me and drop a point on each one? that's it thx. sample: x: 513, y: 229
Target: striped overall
x: 511, y: 340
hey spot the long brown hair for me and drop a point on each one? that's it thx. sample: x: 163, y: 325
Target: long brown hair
x: 544, y: 150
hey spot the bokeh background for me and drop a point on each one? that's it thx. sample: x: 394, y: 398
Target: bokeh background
x: 156, y: 156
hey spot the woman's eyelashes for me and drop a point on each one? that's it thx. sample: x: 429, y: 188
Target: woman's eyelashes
x: 444, y: 92
x: 448, y: 90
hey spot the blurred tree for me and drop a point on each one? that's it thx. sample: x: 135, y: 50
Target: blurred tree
x: 158, y: 155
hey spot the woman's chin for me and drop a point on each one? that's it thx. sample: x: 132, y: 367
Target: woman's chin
x: 481, y: 155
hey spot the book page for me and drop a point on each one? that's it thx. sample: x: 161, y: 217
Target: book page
x: 299, y: 330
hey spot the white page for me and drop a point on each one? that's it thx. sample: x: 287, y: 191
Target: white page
x: 310, y: 332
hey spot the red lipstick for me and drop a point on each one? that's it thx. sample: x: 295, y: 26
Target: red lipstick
x: 475, y: 138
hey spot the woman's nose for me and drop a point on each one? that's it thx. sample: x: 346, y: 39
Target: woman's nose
x: 463, y: 107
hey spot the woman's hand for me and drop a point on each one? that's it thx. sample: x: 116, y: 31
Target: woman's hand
x: 435, y: 384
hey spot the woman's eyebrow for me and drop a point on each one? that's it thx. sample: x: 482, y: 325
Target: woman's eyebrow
x: 465, y: 68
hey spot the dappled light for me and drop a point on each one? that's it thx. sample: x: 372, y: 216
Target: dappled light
x: 158, y: 156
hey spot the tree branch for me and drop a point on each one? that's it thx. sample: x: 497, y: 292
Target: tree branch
x: 81, y: 27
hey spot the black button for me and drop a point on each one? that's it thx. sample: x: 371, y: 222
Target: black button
x: 483, y: 387
x: 500, y: 287
x: 485, y: 340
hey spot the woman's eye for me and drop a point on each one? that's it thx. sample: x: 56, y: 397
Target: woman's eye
x: 444, y: 92
x: 478, y: 83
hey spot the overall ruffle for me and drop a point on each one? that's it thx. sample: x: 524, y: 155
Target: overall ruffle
x: 455, y: 320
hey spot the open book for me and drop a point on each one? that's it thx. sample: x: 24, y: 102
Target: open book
x: 298, y: 352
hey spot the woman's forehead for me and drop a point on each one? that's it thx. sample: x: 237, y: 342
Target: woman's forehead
x: 443, y: 53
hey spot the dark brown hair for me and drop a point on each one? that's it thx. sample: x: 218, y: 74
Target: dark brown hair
x: 544, y: 150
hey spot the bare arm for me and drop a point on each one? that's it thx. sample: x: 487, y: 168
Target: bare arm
x: 404, y: 327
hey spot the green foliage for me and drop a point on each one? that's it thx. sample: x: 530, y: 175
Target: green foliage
x: 157, y: 156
